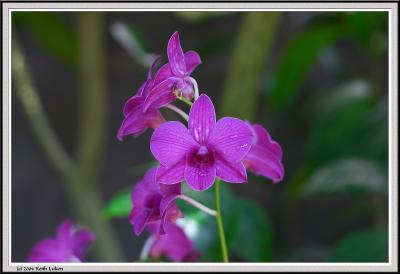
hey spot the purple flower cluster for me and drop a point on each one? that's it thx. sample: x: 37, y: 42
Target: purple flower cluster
x: 173, y: 79
x: 199, y: 153
x: 69, y: 245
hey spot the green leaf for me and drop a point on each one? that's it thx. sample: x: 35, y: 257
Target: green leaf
x: 254, y: 234
x: 369, y: 29
x: 337, y: 122
x: 370, y: 245
x: 119, y: 206
x: 297, y: 60
x: 202, y: 228
x: 350, y: 175
x: 52, y: 32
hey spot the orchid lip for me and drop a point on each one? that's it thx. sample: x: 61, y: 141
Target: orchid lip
x: 203, y: 156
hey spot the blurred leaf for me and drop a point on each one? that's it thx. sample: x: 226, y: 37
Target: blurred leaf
x: 199, y: 16
x: 307, y: 254
x: 212, y: 45
x: 373, y: 139
x: 254, y: 40
x: 369, y: 28
x: 52, y: 32
x: 120, y: 205
x: 254, y: 234
x: 202, y: 228
x: 337, y: 121
x: 369, y: 245
x: 133, y: 41
x: 297, y: 60
x: 347, y: 175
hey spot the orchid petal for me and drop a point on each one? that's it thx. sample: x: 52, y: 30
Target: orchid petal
x: 231, y: 138
x: 81, y: 242
x: 175, y: 245
x: 137, y: 122
x: 166, y: 190
x: 153, y: 64
x: 133, y: 104
x: 230, y: 172
x: 192, y: 60
x: 264, y: 162
x: 65, y: 230
x: 140, y: 221
x: 171, y: 175
x: 175, y: 55
x: 160, y: 94
x: 200, y: 176
x: 264, y: 139
x: 202, y: 119
x: 170, y: 142
x: 166, y: 202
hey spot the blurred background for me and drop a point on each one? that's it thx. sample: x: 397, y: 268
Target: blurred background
x: 318, y: 81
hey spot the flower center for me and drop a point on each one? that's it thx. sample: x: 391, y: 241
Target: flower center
x: 203, y: 156
x: 184, y: 88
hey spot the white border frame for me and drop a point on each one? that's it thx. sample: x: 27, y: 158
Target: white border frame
x: 392, y: 9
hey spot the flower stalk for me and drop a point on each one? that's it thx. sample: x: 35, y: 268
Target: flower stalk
x: 178, y: 111
x: 220, y: 224
x: 144, y: 254
x: 198, y: 205
x: 183, y: 99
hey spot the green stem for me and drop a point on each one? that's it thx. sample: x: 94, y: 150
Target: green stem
x: 183, y: 99
x: 220, y: 224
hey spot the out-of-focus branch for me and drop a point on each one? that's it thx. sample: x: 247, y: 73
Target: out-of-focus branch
x: 93, y: 114
x: 26, y: 93
x: 256, y: 35
x: 92, y: 93
x: 81, y: 177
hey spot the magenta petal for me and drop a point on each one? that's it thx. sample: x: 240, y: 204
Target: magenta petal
x: 175, y: 245
x: 68, y: 246
x: 153, y: 64
x: 48, y: 250
x: 231, y: 138
x: 200, y: 176
x: 175, y: 55
x: 166, y: 190
x: 162, y: 93
x: 163, y: 73
x: 166, y: 202
x: 264, y: 139
x: 202, y: 119
x: 262, y: 162
x: 133, y: 103
x: 230, y: 172
x: 192, y: 60
x: 81, y: 241
x: 137, y: 122
x: 170, y: 142
x: 140, y: 221
x: 171, y: 175
x: 65, y: 230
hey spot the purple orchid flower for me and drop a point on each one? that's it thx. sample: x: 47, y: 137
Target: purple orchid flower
x: 137, y: 120
x: 153, y: 203
x: 69, y: 245
x: 206, y: 150
x: 173, y: 79
x: 265, y: 155
x: 174, y: 245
